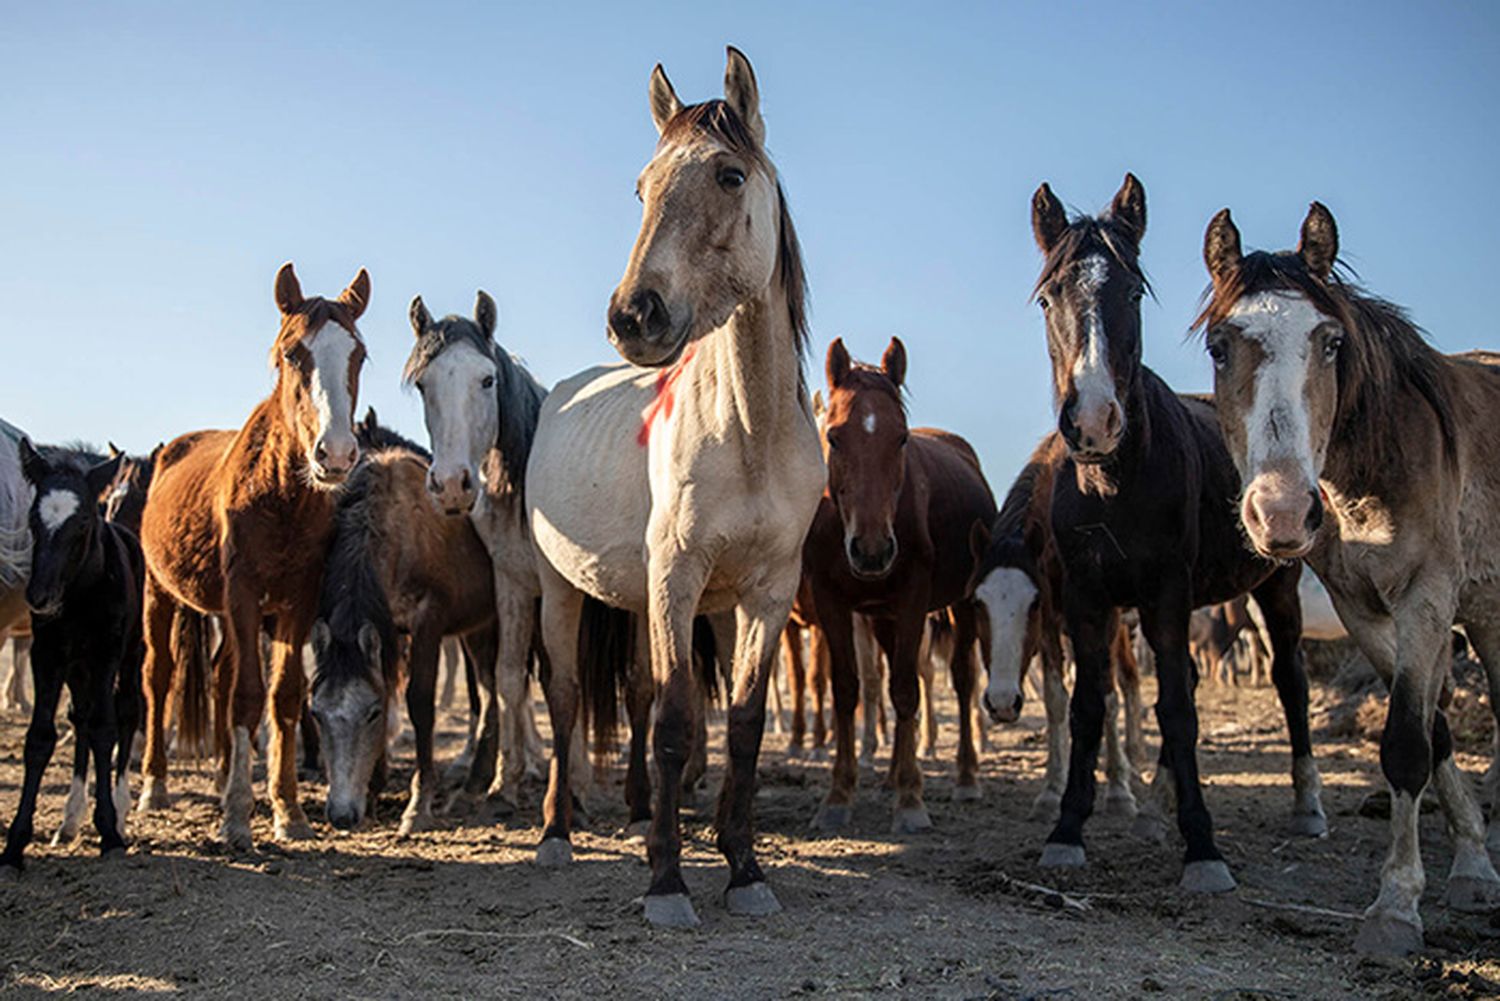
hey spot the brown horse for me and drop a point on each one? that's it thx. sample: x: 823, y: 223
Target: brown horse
x: 891, y: 540
x: 237, y: 523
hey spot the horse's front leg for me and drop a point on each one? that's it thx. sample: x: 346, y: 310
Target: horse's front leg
x: 421, y: 686
x: 248, y: 703
x: 97, y: 725
x: 562, y: 611
x: 41, y: 740
x: 639, y: 695
x: 159, y: 613
x: 1088, y: 619
x: 961, y: 667
x: 837, y: 628
x: 901, y: 639
x: 515, y: 609
x: 288, y: 684
x: 760, y: 618
x: 1048, y: 802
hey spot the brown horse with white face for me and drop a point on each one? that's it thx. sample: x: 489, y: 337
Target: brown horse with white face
x: 237, y: 524
x: 891, y: 540
x: 1367, y: 452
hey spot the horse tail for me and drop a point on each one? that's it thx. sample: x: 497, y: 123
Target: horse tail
x: 706, y: 657
x: 606, y: 651
x: 191, y: 683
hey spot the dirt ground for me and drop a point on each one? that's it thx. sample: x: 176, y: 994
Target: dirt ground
x: 955, y: 913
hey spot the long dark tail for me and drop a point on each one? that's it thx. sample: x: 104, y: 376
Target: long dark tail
x: 606, y: 649
x: 706, y: 656
x: 191, y: 683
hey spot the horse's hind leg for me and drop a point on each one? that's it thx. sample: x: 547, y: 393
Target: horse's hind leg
x: 562, y: 611
x: 97, y: 721
x: 839, y: 630
x: 158, y: 614
x: 796, y: 669
x: 41, y: 739
x: 871, y: 691
x: 287, y: 684
x: 1281, y: 606
x: 127, y: 696
x: 421, y: 680
x: 927, y: 655
x: 1484, y: 636
x: 1119, y: 799
x: 639, y: 695
x: 961, y: 667
x: 820, y: 671
x: 77, y: 802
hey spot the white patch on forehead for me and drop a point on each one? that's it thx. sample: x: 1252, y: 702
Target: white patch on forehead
x: 56, y: 508
x: 869, y: 422
x: 331, y: 348
x: 1091, y: 376
x: 1277, y: 426
x: 1007, y: 594
x: 1093, y: 272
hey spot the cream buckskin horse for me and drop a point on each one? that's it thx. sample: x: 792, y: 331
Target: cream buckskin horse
x: 687, y: 479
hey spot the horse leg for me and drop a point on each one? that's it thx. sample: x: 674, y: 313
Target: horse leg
x: 1055, y: 698
x: 796, y: 669
x: 838, y: 629
x: 422, y: 668
x: 41, y: 739
x: 97, y: 724
x: 1119, y: 800
x: 639, y: 695
x: 159, y: 612
x: 1088, y: 625
x: 287, y: 698
x: 516, y: 620
x: 926, y: 673
x: 1281, y: 607
x: 531, y: 737
x: 1128, y: 682
x: 821, y: 669
x: 486, y: 753
x: 223, y: 697
x: 127, y: 698
x: 961, y: 667
x: 759, y: 620
x: 77, y: 802
x: 449, y: 664
x: 901, y: 639
x: 243, y: 671
x: 562, y: 611
x: 872, y: 706
x: 1484, y: 636
x: 777, y: 704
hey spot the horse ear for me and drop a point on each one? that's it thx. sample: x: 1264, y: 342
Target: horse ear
x: 837, y: 367
x: 1128, y: 210
x: 485, y: 313
x: 288, y: 290
x: 113, y: 451
x: 369, y: 642
x: 1221, y: 248
x: 33, y: 465
x: 1049, y: 220
x: 742, y: 93
x: 357, y: 296
x: 420, y: 318
x: 100, y: 476
x: 893, y: 362
x: 664, y: 102
x: 1319, y: 246
x: 321, y: 638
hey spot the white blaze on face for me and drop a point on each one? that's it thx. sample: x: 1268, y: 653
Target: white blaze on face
x: 56, y: 507
x: 1007, y: 594
x: 869, y: 421
x: 1092, y: 380
x: 462, y: 416
x: 331, y: 347
x: 1277, y: 427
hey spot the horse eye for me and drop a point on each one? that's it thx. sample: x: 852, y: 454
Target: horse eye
x: 905, y: 437
x: 373, y: 714
x: 1219, y: 355
x: 1332, y: 347
x: 1044, y: 302
x: 731, y: 177
x: 833, y: 443
x: 488, y: 382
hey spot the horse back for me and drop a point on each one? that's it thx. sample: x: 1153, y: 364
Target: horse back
x: 179, y: 537
x: 943, y: 470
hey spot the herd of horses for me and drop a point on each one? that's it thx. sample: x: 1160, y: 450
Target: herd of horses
x: 644, y: 526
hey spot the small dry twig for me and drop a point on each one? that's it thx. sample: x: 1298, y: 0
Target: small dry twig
x: 1046, y: 894
x: 1322, y: 912
x: 435, y: 933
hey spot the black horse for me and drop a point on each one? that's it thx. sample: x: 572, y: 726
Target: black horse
x: 85, y: 598
x: 1144, y: 516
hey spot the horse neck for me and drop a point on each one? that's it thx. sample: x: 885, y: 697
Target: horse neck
x: 91, y: 569
x: 268, y: 448
x: 746, y: 379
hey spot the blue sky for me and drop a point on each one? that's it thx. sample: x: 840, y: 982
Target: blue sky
x: 159, y: 161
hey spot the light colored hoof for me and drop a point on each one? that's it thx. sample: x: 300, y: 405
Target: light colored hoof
x: 1472, y: 895
x: 636, y: 831
x: 154, y: 796
x: 294, y: 829
x: 1207, y: 876
x: 1047, y: 807
x: 415, y: 823
x: 967, y: 794
x: 1308, y: 825
x: 912, y: 820
x: 235, y: 835
x: 1387, y: 934
x: 1120, y: 803
x: 64, y: 836
x: 1056, y: 855
x: 832, y: 817
x: 671, y: 910
x: 1149, y: 827
x: 555, y: 853
x: 754, y: 900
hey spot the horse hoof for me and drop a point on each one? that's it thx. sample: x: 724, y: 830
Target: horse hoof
x: 753, y: 900
x: 832, y: 817
x: 1207, y: 876
x: 1387, y: 934
x: 1120, y: 803
x: 818, y: 754
x: 236, y: 836
x: 153, y: 796
x: 967, y: 794
x: 294, y: 829
x: 1472, y: 895
x: 1308, y: 825
x: 912, y: 820
x: 554, y: 853
x: 1150, y: 828
x: 794, y: 753
x: 113, y: 854
x: 636, y: 831
x: 415, y: 823
x: 63, y: 836
x: 1056, y: 855
x: 1046, y: 808
x: 671, y: 910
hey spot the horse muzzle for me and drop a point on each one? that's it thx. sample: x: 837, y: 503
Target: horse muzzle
x: 455, y: 493
x: 645, y: 332
x: 1005, y: 708
x: 1281, y: 517
x: 871, y: 560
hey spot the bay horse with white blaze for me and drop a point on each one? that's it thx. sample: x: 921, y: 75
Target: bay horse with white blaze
x: 690, y: 484
x: 237, y: 524
x: 891, y: 540
x: 1366, y: 452
x: 1143, y: 517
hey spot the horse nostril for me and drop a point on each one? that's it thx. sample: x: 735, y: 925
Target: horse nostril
x: 321, y: 452
x: 466, y: 482
x: 1112, y: 420
x: 623, y: 323
x: 1315, y: 513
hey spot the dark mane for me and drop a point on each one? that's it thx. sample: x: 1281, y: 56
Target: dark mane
x: 720, y: 122
x: 1384, y: 353
x: 519, y: 394
x: 352, y: 593
x: 1086, y: 236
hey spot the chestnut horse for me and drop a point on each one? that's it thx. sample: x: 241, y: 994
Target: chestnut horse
x: 1367, y: 453
x: 1143, y: 517
x: 891, y: 540
x: 237, y: 524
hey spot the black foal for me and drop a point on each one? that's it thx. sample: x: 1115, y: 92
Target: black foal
x: 85, y: 598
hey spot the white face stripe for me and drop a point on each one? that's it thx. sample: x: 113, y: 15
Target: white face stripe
x: 1277, y: 426
x: 463, y: 418
x: 1007, y: 594
x: 1092, y: 380
x: 56, y: 508
x: 869, y: 422
x: 331, y: 347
